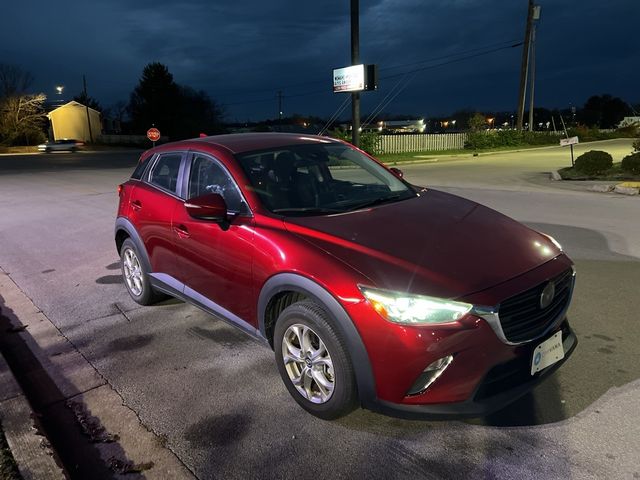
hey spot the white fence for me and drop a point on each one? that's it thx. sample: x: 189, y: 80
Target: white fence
x: 422, y: 142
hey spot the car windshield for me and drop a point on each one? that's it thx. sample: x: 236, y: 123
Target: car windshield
x: 320, y: 179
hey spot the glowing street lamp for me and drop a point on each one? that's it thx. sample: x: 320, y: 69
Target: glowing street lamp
x: 59, y: 89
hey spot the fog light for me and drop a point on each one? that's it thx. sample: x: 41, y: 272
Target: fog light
x: 430, y: 375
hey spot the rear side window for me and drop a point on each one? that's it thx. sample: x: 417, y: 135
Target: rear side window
x: 141, y: 167
x: 164, y: 173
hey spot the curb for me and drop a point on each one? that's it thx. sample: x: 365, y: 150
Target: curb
x: 30, y: 449
x: 108, y: 428
x: 625, y: 188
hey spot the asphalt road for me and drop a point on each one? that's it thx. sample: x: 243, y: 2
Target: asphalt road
x: 214, y: 396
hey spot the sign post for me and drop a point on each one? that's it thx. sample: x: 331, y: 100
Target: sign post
x: 153, y: 134
x: 571, y: 141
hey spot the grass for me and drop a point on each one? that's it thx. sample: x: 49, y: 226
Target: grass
x: 408, y: 157
x: 615, y: 173
x: 8, y: 468
x: 4, y: 149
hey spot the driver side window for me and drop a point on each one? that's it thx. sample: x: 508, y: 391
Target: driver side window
x: 207, y: 176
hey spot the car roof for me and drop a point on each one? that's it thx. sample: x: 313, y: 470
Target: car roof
x: 247, y: 142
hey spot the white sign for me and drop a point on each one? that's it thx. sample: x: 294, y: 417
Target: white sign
x: 348, y: 79
x: 565, y: 142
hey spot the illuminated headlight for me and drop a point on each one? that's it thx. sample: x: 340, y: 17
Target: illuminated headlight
x: 554, y: 241
x: 401, y: 308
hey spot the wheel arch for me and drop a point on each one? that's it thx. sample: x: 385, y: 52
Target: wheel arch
x: 283, y: 289
x: 124, y: 229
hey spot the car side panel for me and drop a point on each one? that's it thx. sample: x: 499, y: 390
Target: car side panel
x: 150, y: 213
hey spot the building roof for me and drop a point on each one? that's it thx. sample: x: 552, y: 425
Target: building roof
x: 73, y: 104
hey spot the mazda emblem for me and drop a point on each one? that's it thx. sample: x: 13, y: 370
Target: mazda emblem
x: 546, y: 297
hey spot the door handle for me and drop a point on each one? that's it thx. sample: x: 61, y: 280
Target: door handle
x: 182, y: 231
x: 136, y: 205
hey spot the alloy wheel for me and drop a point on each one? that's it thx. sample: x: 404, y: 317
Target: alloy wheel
x: 132, y: 272
x: 308, y: 363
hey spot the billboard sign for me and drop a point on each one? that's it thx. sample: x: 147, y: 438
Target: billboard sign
x: 348, y: 79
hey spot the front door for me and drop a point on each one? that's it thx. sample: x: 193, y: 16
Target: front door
x: 214, y: 260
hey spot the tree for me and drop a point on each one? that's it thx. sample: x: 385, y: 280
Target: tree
x: 477, y: 122
x: 197, y: 113
x: 88, y: 101
x: 13, y: 80
x: 177, y: 111
x: 22, y: 115
x: 603, y: 111
x: 22, y: 119
x: 155, y: 100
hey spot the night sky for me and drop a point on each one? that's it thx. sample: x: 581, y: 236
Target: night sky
x: 243, y: 52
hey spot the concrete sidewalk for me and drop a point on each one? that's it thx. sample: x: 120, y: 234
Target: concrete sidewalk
x: 67, y: 386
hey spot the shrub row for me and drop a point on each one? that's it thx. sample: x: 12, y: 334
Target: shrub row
x: 508, y: 138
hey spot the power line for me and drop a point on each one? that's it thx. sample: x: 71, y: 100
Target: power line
x: 465, y: 55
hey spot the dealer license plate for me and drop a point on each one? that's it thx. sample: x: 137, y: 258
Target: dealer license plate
x: 547, y: 353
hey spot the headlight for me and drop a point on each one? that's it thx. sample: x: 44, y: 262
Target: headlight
x: 399, y: 307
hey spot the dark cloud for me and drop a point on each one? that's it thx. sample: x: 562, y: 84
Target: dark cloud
x: 242, y: 53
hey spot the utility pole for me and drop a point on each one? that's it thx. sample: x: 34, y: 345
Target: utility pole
x: 536, y: 17
x: 524, y: 68
x: 86, y: 98
x: 355, y: 60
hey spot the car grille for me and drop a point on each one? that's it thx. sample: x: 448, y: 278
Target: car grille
x: 521, y: 316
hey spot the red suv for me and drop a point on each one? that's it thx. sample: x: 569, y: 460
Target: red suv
x: 371, y: 291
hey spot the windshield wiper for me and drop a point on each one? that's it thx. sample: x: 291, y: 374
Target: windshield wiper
x: 372, y: 203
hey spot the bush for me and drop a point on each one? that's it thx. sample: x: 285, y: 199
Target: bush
x: 636, y: 145
x: 369, y: 141
x: 508, y: 138
x: 631, y: 163
x: 593, y: 162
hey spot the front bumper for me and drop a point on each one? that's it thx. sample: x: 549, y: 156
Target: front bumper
x: 502, y: 385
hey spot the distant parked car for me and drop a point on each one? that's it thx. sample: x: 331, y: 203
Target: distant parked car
x: 66, y: 145
x: 370, y: 290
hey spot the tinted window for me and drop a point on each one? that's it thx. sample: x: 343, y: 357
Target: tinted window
x: 208, y: 176
x: 164, y: 173
x: 142, y: 166
x: 320, y: 178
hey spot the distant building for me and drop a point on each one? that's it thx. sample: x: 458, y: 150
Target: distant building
x: 402, y: 126
x: 72, y: 121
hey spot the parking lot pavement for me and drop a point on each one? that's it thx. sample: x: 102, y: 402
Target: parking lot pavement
x: 213, y: 398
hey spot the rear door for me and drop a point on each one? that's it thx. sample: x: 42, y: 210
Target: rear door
x: 152, y: 204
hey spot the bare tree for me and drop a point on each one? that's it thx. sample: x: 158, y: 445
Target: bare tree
x: 13, y: 80
x: 22, y: 118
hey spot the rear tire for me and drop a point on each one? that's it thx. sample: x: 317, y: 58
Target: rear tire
x: 313, y: 361
x: 135, y: 277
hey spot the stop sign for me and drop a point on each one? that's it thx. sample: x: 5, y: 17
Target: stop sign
x: 153, y: 134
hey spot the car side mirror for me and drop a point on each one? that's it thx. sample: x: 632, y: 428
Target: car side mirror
x: 210, y: 207
x: 397, y: 172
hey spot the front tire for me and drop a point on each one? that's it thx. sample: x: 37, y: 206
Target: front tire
x: 313, y: 361
x: 136, y: 279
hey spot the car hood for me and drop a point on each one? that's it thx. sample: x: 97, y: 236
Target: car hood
x: 434, y: 244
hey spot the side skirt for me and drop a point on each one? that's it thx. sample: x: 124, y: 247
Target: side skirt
x: 169, y: 285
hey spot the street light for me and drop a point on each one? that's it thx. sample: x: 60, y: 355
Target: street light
x: 59, y: 89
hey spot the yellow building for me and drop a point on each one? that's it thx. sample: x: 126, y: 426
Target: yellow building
x: 72, y: 121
